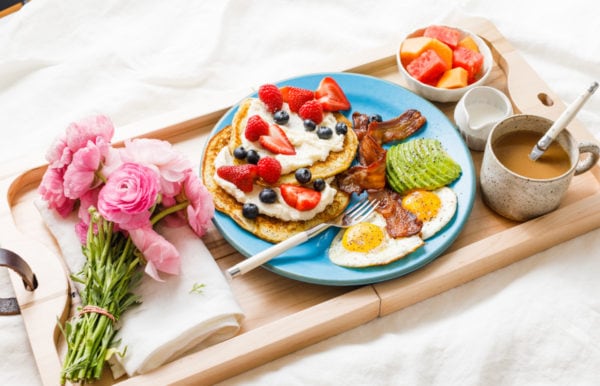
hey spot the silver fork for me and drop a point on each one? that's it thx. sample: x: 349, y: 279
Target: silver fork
x: 352, y: 215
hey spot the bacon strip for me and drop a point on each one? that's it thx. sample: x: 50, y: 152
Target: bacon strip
x: 397, y: 128
x: 399, y: 221
x: 370, y: 173
x: 360, y: 123
x: 360, y: 177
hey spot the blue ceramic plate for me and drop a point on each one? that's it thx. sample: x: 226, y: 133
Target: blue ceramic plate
x: 308, y: 262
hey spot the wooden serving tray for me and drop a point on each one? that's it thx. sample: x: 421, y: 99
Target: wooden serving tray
x: 284, y: 315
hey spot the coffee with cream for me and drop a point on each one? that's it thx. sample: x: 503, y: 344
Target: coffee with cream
x: 512, y: 150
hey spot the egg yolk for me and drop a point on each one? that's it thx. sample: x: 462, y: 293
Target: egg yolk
x: 423, y: 204
x: 362, y: 237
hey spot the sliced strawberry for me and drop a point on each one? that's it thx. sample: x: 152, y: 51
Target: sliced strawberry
x: 269, y: 169
x: 276, y: 141
x: 331, y: 96
x: 242, y: 176
x: 312, y: 110
x: 296, y: 96
x: 255, y: 127
x: 300, y: 197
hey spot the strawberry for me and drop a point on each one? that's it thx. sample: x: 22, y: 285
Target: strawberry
x: 269, y: 169
x: 296, y: 96
x: 331, y: 96
x: 270, y: 95
x: 276, y: 141
x: 300, y: 197
x: 242, y: 176
x: 255, y: 127
x: 311, y: 110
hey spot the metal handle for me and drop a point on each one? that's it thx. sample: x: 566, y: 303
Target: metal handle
x: 9, y: 259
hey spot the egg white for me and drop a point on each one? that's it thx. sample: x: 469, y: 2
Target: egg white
x: 445, y: 213
x: 389, y: 250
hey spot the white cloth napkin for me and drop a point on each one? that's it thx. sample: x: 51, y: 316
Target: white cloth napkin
x: 172, y: 320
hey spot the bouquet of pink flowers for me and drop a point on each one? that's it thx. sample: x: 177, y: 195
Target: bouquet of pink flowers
x: 119, y: 194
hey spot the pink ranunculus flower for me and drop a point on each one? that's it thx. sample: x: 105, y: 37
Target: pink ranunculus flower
x: 52, y: 191
x: 59, y: 155
x: 160, y: 254
x: 80, y: 175
x: 129, y: 193
x: 169, y: 163
x: 89, y: 129
x: 201, y: 209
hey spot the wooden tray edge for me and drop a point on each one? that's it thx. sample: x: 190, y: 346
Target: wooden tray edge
x: 525, y: 89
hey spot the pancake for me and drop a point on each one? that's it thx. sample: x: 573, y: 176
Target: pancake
x: 335, y: 163
x: 267, y: 228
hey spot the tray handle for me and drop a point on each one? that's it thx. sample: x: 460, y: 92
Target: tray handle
x: 9, y: 259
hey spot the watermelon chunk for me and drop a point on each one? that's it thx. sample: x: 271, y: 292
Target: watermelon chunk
x: 413, y: 47
x: 450, y: 36
x: 427, y: 68
x: 469, y: 60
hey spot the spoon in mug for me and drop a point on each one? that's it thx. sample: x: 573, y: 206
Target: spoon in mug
x: 561, y: 123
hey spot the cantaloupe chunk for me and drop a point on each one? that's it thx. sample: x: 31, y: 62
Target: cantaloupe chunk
x: 468, y: 42
x: 454, y: 78
x: 413, y: 47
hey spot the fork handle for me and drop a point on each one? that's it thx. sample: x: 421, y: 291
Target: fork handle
x: 262, y: 257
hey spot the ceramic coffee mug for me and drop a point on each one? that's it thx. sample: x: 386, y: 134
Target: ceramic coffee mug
x: 521, y: 198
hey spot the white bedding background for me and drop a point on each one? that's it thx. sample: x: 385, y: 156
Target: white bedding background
x: 149, y: 63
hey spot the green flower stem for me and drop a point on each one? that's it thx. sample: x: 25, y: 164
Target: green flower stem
x: 175, y: 208
x: 110, y: 274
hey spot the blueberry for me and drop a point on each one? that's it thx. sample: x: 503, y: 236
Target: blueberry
x: 252, y: 157
x: 303, y: 175
x: 240, y: 152
x: 375, y: 117
x: 267, y: 195
x: 319, y: 184
x: 250, y: 210
x: 341, y: 128
x: 309, y: 125
x: 324, y: 132
x: 281, y: 117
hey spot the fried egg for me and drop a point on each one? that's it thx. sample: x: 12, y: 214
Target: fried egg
x: 434, y: 208
x: 368, y: 243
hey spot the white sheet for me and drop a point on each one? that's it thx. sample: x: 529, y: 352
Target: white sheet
x: 535, y: 322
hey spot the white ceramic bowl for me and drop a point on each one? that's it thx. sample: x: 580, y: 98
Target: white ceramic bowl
x: 438, y: 94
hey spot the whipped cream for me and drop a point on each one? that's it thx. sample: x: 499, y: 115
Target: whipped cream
x: 279, y: 209
x: 309, y: 147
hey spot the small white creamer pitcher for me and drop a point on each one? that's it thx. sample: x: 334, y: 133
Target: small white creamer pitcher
x: 478, y: 111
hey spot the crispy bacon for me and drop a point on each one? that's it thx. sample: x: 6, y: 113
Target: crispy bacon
x: 369, y: 150
x: 370, y: 173
x: 399, y: 221
x: 360, y: 123
x: 397, y: 128
x: 359, y: 177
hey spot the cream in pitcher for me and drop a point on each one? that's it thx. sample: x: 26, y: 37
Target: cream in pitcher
x: 478, y: 111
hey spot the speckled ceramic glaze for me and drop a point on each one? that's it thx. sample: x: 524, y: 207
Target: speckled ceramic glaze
x: 521, y: 198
